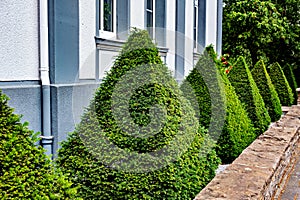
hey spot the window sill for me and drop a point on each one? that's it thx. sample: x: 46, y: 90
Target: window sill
x: 116, y: 45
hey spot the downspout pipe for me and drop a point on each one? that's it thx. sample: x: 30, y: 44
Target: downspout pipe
x: 46, y: 137
x: 219, y: 27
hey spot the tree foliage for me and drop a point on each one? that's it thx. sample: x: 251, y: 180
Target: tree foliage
x: 281, y: 85
x: 290, y: 77
x: 25, y: 171
x: 95, y: 156
x: 238, y: 131
x: 246, y: 88
x: 253, y: 25
x: 267, y: 90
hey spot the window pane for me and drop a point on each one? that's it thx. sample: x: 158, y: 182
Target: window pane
x: 149, y: 19
x: 108, y: 15
x: 150, y: 4
x: 150, y: 23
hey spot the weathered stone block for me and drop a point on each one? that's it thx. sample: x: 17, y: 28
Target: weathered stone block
x: 261, y: 170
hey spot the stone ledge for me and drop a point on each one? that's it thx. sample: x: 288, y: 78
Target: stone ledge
x: 298, y: 92
x: 260, y: 171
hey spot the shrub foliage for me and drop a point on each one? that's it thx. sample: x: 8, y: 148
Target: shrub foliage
x: 237, y: 132
x: 25, y: 171
x: 290, y: 77
x: 267, y: 90
x: 248, y: 93
x: 100, y: 173
x: 281, y: 84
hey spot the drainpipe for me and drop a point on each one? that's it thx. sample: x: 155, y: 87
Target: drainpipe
x: 219, y: 27
x: 46, y: 137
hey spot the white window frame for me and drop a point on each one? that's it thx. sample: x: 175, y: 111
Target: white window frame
x: 196, y: 28
x: 153, y: 18
x: 102, y: 32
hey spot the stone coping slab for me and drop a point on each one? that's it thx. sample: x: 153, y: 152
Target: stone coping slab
x: 259, y: 171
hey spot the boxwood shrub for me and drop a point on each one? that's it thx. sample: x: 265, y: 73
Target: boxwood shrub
x: 25, y: 171
x: 200, y: 91
x: 248, y: 93
x: 281, y: 84
x: 267, y: 90
x: 290, y: 77
x: 95, y: 156
x: 237, y: 132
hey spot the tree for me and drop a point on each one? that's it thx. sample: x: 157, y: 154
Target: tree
x: 256, y: 26
x: 25, y: 171
x: 267, y: 90
x: 237, y: 132
x: 290, y: 77
x: 241, y: 79
x: 281, y: 85
x: 289, y: 50
x: 111, y: 154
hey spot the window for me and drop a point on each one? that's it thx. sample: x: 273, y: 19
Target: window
x: 123, y: 19
x: 196, y: 27
x: 150, y: 17
x: 107, y: 18
x: 155, y: 20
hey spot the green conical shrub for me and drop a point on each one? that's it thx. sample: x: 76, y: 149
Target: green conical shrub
x: 25, y: 171
x: 111, y: 155
x: 196, y: 81
x: 241, y: 79
x: 290, y: 77
x: 237, y: 132
x: 267, y: 90
x: 281, y: 84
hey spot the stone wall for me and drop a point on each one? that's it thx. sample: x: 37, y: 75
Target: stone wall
x: 261, y: 170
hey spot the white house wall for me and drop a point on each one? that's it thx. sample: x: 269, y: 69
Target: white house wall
x: 19, y: 49
x: 87, y: 32
x: 106, y: 60
x: 211, y: 22
x: 189, y: 34
x: 170, y: 33
x: 137, y: 14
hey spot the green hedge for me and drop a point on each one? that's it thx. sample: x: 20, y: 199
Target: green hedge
x: 25, y: 171
x: 237, y: 132
x: 95, y: 156
x: 281, y: 84
x: 248, y: 93
x: 290, y: 77
x: 267, y: 90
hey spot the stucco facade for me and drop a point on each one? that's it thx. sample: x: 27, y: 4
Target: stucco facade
x: 81, y: 49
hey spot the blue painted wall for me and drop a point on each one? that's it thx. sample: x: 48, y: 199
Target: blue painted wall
x: 64, y: 40
x: 26, y: 100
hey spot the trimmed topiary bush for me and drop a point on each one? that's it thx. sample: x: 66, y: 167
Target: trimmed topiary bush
x: 119, y: 151
x: 281, y: 84
x: 241, y: 79
x: 290, y: 77
x: 237, y: 132
x: 267, y: 90
x: 200, y: 92
x: 25, y: 171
